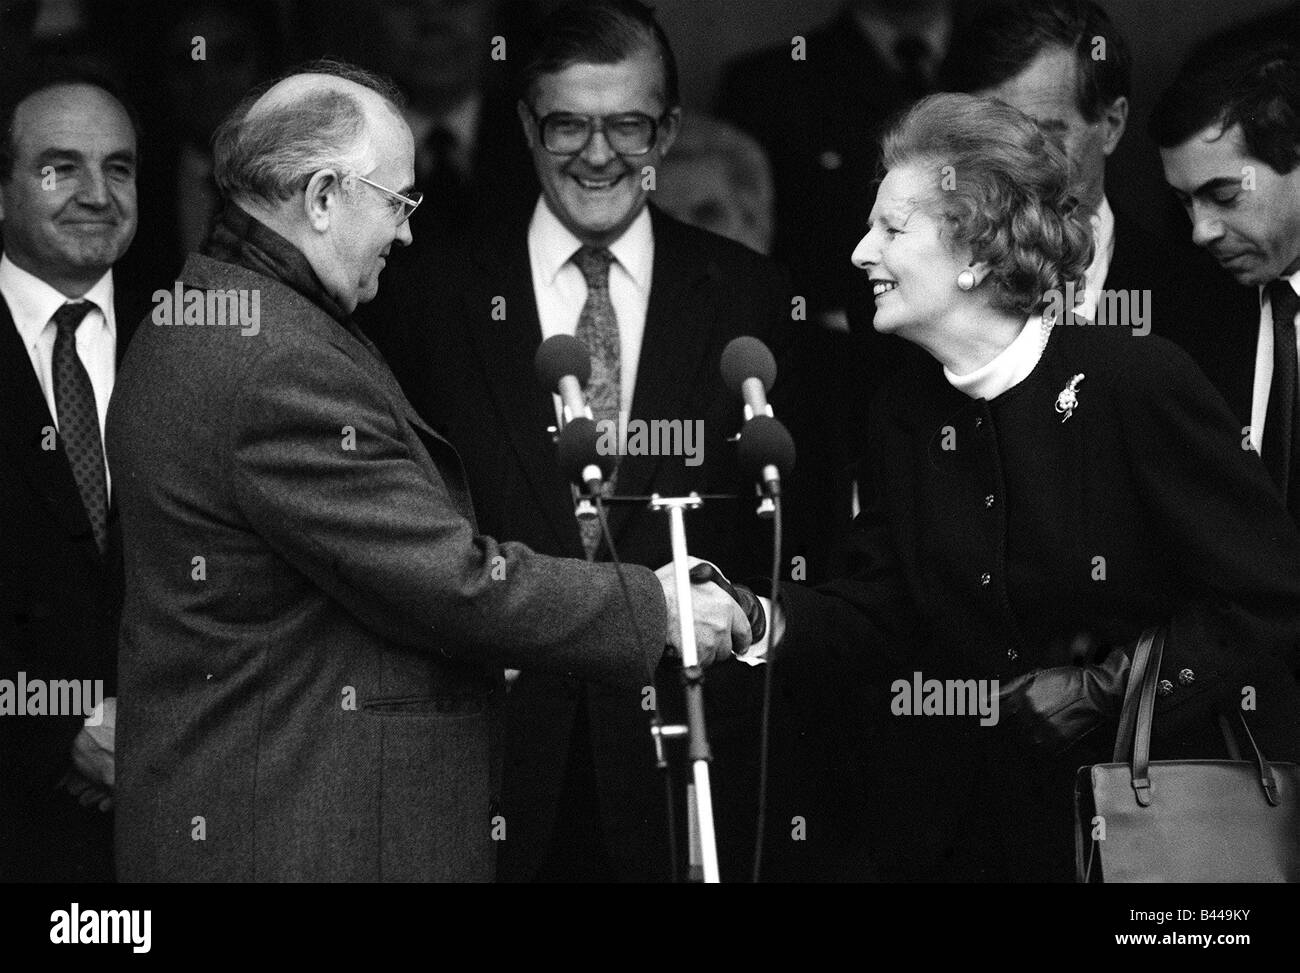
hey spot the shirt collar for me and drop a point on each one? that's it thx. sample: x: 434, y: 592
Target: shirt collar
x: 553, y: 245
x: 33, y: 302
x: 1103, y: 249
x: 1293, y: 280
x: 1011, y: 367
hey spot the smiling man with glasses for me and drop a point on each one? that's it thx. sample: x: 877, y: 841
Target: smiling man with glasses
x: 654, y: 301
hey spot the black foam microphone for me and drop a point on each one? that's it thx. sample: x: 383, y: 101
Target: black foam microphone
x: 563, y: 365
x: 766, y: 450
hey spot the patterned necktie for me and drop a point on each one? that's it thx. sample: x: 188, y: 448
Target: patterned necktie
x: 1280, y: 423
x: 598, y: 330
x: 74, y: 400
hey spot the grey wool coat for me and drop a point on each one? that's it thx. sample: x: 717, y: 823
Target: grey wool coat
x: 314, y: 630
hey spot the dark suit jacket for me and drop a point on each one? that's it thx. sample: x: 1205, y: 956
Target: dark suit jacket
x: 472, y: 375
x: 60, y: 601
x: 318, y: 705
x: 981, y: 561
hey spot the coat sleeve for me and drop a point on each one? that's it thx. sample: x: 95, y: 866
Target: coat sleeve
x: 1237, y: 624
x: 369, y: 526
x: 865, y: 625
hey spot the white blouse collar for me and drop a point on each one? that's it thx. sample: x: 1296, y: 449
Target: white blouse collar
x: 1011, y: 367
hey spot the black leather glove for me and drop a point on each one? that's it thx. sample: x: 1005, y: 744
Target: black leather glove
x: 1059, y: 707
x: 704, y: 572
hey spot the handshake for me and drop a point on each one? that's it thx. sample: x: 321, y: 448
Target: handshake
x: 728, y: 619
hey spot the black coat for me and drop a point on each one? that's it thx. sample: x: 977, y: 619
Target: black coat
x: 985, y: 559
x: 60, y: 602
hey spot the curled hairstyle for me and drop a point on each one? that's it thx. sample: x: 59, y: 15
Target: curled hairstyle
x: 1001, y: 189
x: 272, y: 155
x: 1231, y: 81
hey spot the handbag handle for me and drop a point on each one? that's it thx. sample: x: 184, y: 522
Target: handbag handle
x: 1138, y: 714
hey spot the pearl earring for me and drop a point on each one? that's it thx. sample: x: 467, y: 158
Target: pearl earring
x: 966, y: 280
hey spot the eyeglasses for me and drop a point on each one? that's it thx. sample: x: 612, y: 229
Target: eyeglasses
x: 408, y: 203
x: 566, y: 133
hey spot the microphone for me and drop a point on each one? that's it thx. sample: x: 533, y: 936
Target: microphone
x: 749, y: 370
x: 563, y: 365
x: 766, y: 450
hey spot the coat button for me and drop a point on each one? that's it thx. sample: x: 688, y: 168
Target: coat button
x: 989, y: 500
x: 1166, y: 688
x: 986, y: 578
x: 979, y: 421
x: 1013, y: 655
x: 1186, y: 677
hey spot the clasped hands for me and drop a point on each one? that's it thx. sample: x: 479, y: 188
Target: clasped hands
x: 728, y: 619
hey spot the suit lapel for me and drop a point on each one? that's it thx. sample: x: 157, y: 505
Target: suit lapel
x: 506, y: 350
x: 26, y: 418
x: 672, y: 349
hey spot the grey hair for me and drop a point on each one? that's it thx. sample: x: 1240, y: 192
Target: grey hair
x: 272, y: 155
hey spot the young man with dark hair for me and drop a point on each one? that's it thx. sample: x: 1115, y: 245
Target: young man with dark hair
x: 1229, y: 135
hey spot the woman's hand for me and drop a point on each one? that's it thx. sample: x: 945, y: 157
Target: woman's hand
x: 1058, y: 707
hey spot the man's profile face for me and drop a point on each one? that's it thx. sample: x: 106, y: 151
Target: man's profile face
x: 1046, y: 91
x: 69, y: 208
x: 1243, y: 211
x: 369, y: 225
x: 597, y: 193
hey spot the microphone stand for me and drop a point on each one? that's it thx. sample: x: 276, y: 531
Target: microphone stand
x: 693, y: 680
x: 692, y: 677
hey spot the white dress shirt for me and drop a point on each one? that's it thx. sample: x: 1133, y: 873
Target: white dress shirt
x: 32, y: 302
x: 561, y: 290
x: 1103, y: 240
x: 1264, y: 363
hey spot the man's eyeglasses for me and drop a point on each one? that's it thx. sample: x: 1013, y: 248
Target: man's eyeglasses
x: 566, y: 133
x: 408, y: 203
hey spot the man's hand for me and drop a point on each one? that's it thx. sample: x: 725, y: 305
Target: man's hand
x: 88, y: 793
x: 720, y: 625
x: 93, y: 749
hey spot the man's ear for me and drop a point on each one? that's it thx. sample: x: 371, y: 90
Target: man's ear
x: 526, y: 120
x: 668, y: 129
x: 1113, y: 121
x: 321, y: 198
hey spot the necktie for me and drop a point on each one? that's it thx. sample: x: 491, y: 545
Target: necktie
x: 74, y: 400
x: 598, y: 330
x: 910, y: 53
x: 1280, y: 425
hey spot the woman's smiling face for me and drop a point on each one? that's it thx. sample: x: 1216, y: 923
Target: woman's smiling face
x: 911, y: 264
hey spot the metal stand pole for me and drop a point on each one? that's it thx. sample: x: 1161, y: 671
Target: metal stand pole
x: 693, y: 676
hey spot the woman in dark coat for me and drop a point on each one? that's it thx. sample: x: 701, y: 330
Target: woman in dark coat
x: 1042, y: 491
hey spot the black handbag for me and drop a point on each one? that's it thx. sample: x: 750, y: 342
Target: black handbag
x: 1183, y: 820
